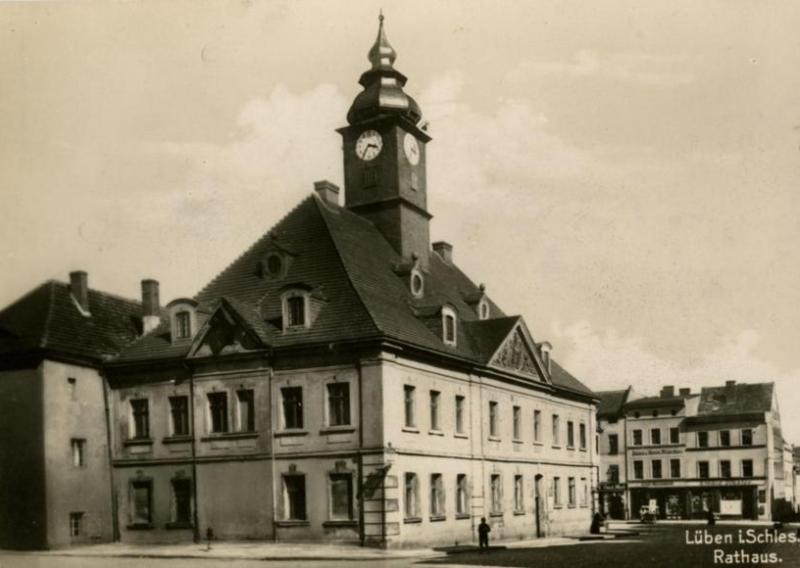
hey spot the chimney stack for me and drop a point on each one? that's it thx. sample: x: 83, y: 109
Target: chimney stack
x: 327, y: 191
x: 79, y: 286
x: 444, y: 250
x: 667, y: 391
x: 685, y: 392
x: 730, y: 383
x: 150, y: 306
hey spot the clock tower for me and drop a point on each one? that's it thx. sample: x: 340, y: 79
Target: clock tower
x: 384, y: 156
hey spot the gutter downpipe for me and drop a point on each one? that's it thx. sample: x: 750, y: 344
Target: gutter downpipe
x: 195, y: 516
x: 273, y: 468
x: 361, y: 533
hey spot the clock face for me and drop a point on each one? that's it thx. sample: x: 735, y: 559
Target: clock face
x: 411, y: 149
x: 368, y: 145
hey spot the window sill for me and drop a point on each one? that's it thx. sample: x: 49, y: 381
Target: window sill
x: 341, y: 523
x: 459, y: 435
x: 518, y: 513
x: 292, y: 523
x: 411, y: 429
x: 517, y: 441
x: 583, y: 450
x: 435, y: 433
x: 344, y: 429
x: 176, y: 439
x: 571, y: 448
x: 460, y: 516
x: 138, y: 442
x: 295, y: 328
x: 496, y: 514
x: 229, y: 436
x: 437, y: 518
x: 287, y: 433
x: 412, y: 520
x: 570, y: 506
x: 558, y: 506
x: 494, y: 439
x: 556, y: 447
x: 535, y: 443
x: 178, y: 526
x: 140, y: 527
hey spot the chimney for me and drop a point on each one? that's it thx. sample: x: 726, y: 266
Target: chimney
x: 545, y: 348
x: 667, y: 391
x: 685, y: 392
x: 444, y: 250
x: 150, y: 306
x: 327, y: 191
x: 730, y: 383
x: 79, y: 286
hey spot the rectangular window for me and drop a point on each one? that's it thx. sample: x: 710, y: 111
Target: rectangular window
x: 141, y: 418
x: 141, y: 507
x: 724, y: 438
x: 655, y: 436
x: 182, y: 500
x: 725, y: 468
x: 638, y: 469
x: 493, y: 428
x: 78, y: 452
x: 613, y: 444
x: 339, y: 404
x: 292, y: 398
x: 571, y: 492
x: 294, y: 497
x: 296, y: 311
x: 497, y: 493
x: 517, y: 417
x: 437, y: 495
x: 747, y: 437
x: 582, y: 435
x: 519, y: 504
x: 76, y: 524
x: 183, y: 322
x: 585, y: 494
x: 702, y: 439
x: 408, y: 398
x: 612, y: 474
x: 459, y: 414
x: 674, y: 436
x: 537, y: 425
x: 179, y: 415
x: 703, y: 471
x: 435, y: 395
x: 411, y: 501
x: 341, y: 496
x: 570, y: 434
x: 449, y: 329
x: 218, y: 411
x: 557, y: 491
x: 245, y: 400
x: 462, y: 502
x: 556, y: 430
x: 747, y: 468
x: 655, y: 468
x: 637, y: 437
x: 674, y: 468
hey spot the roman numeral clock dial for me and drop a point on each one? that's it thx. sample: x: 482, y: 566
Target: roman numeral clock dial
x: 369, y: 145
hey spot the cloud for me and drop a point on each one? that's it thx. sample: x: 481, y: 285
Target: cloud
x: 605, y: 360
x: 655, y: 70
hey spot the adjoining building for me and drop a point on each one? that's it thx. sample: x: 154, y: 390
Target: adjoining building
x: 55, y: 480
x: 612, y: 437
x: 720, y: 450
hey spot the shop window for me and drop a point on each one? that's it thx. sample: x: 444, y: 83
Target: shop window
x: 339, y: 404
x: 141, y: 505
x: 462, y: 504
x: 218, y: 412
x: 410, y: 406
x: 437, y: 495
x: 179, y: 415
x: 411, y: 496
x: 341, y: 487
x: 292, y: 403
x: 294, y: 497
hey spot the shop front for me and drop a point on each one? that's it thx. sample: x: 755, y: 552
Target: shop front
x: 694, y: 502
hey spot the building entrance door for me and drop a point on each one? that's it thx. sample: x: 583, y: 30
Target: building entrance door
x: 537, y: 501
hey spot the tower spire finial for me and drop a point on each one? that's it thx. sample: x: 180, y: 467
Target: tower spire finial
x: 382, y: 54
x: 380, y: 17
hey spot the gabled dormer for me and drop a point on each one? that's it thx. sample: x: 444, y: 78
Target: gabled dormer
x: 182, y: 319
x: 300, y: 306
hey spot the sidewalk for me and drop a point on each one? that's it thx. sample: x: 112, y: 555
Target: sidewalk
x: 237, y: 551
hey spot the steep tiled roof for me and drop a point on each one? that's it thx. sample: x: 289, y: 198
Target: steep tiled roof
x: 351, y: 270
x: 656, y: 402
x: 47, y: 319
x: 735, y: 399
x: 611, y: 402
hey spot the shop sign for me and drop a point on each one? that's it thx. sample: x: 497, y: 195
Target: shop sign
x: 656, y: 451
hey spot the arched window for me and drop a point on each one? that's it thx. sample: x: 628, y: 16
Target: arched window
x: 449, y: 326
x: 295, y: 309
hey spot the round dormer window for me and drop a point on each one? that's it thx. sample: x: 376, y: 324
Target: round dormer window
x: 417, y: 284
x: 274, y: 265
x: 483, y: 309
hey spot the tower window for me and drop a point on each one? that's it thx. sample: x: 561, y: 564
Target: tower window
x: 369, y: 177
x: 483, y: 309
x: 414, y: 181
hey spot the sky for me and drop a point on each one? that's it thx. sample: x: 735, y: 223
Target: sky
x: 625, y: 175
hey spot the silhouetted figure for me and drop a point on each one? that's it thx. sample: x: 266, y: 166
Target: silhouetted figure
x: 209, y: 537
x: 483, y: 534
x: 597, y: 522
x: 712, y: 520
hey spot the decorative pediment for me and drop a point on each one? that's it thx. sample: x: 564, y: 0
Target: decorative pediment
x: 225, y: 333
x: 517, y: 353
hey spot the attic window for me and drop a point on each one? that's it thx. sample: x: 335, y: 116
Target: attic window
x: 417, y: 284
x: 295, y: 309
x: 449, y: 326
x: 183, y: 325
x: 483, y: 309
x: 274, y: 265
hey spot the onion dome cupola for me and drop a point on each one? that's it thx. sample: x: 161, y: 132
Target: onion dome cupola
x: 383, y: 86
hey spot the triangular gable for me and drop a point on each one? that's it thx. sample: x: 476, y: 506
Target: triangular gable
x: 224, y: 333
x: 517, y: 353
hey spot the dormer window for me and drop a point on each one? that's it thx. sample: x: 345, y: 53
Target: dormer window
x: 417, y: 284
x: 183, y: 325
x: 297, y: 308
x: 296, y: 311
x: 449, y: 326
x: 274, y: 265
x: 483, y: 309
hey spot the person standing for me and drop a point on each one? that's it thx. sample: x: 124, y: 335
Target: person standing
x: 483, y: 534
